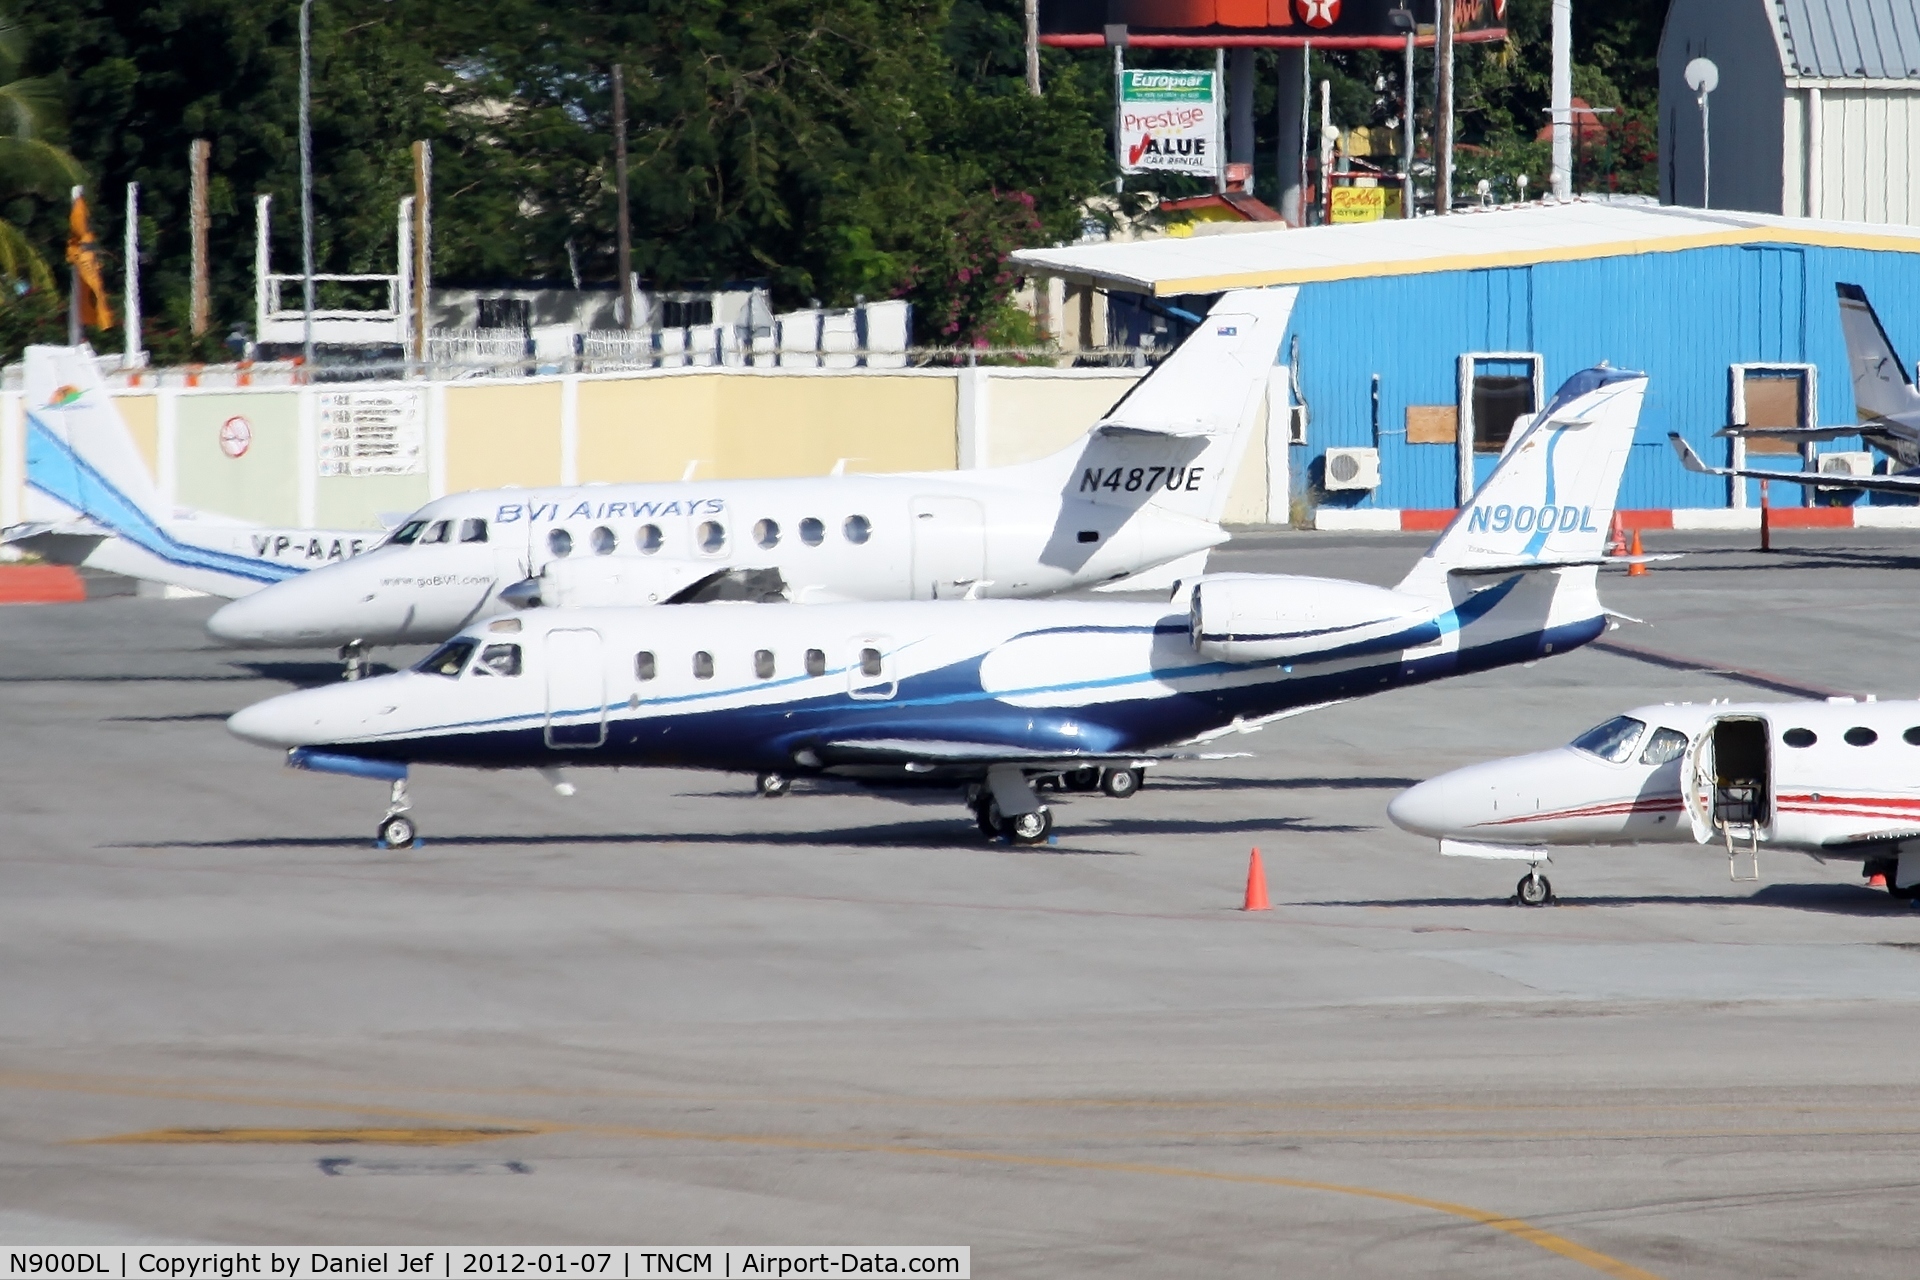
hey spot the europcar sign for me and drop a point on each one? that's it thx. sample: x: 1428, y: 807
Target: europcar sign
x: 1170, y: 122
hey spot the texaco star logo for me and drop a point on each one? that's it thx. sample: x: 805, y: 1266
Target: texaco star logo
x: 236, y: 433
x: 1318, y: 13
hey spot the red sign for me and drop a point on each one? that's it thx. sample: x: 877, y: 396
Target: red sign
x: 1318, y: 13
x: 236, y: 433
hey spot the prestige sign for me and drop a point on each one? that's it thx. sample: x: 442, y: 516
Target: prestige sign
x: 1170, y: 122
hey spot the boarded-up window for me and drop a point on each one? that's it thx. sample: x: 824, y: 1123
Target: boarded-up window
x: 1432, y: 424
x: 1774, y: 398
x: 1498, y: 402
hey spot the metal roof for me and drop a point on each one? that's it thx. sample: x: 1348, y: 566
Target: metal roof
x: 1518, y: 236
x: 1851, y: 39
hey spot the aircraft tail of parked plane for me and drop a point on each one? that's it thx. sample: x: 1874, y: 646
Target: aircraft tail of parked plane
x: 1882, y: 387
x: 1549, y: 503
x: 1172, y: 443
x: 95, y: 502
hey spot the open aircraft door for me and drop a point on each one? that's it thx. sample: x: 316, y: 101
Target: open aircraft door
x: 1726, y: 784
x: 576, y: 689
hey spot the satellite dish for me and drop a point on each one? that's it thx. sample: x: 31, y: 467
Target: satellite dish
x: 1702, y: 75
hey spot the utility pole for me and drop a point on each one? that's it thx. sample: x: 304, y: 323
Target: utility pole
x: 1562, y: 95
x: 306, y: 187
x: 197, y: 153
x: 1443, y: 123
x: 1033, y: 47
x: 422, y: 243
x: 73, y: 271
x: 625, y: 245
x: 130, y: 271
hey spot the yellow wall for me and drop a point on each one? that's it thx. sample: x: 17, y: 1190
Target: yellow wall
x: 142, y: 415
x: 262, y: 484
x: 503, y: 434
x: 740, y: 425
x: 1031, y: 417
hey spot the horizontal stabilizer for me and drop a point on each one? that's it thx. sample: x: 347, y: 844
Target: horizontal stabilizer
x: 1807, y: 435
x: 1529, y: 566
x: 1508, y: 852
x: 1906, y: 483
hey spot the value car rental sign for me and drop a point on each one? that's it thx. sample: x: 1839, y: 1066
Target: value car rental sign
x: 1170, y: 122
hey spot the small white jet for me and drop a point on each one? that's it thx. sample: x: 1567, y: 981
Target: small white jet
x: 1836, y: 780
x: 95, y: 503
x: 991, y: 695
x: 1884, y: 399
x: 1146, y: 487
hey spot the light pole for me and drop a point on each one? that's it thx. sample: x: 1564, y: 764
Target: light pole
x: 1703, y: 78
x: 1401, y: 19
x: 306, y: 187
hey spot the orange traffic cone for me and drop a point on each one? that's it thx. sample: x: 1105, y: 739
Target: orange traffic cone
x: 1617, y: 537
x: 1876, y: 881
x: 1256, y: 885
x: 1636, y: 569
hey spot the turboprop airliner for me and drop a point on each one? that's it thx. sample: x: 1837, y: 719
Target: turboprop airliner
x: 1884, y: 399
x: 992, y: 695
x: 1145, y: 487
x: 1837, y: 780
x: 94, y: 502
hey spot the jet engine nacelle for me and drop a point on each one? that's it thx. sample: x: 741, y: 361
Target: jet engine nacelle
x: 1265, y: 618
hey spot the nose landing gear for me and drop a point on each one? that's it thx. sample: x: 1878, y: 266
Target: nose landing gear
x: 1534, y: 889
x: 397, y: 830
x: 354, y: 654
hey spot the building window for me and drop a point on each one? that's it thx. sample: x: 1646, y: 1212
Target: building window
x: 1772, y: 396
x: 1499, y: 401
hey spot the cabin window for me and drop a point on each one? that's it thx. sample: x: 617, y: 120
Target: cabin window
x: 858, y: 529
x: 1807, y: 737
x: 1860, y: 736
x: 1612, y: 741
x: 438, y: 533
x: 603, y: 541
x: 702, y: 665
x: 869, y: 662
x: 712, y: 537
x: 648, y: 539
x: 1913, y: 735
x: 1665, y: 744
x: 560, y: 542
x: 812, y: 532
x: 407, y: 532
x: 763, y: 663
x: 643, y: 667
x: 767, y: 533
x: 870, y: 674
x: 498, y: 660
x: 449, y: 660
x: 473, y: 530
x: 816, y: 662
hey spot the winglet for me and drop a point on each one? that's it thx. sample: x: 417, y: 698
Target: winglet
x: 1689, y: 459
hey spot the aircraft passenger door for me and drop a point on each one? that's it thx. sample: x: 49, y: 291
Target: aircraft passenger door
x: 1727, y: 781
x: 576, y: 689
x: 1696, y: 785
x: 870, y: 669
x: 949, y: 547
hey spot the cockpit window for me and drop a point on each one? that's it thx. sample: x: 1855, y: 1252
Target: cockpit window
x: 449, y: 660
x: 498, y: 660
x: 438, y: 532
x: 473, y: 529
x: 1613, y: 740
x: 1665, y: 744
x: 406, y: 533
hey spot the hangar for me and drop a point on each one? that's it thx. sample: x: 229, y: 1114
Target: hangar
x: 1416, y: 344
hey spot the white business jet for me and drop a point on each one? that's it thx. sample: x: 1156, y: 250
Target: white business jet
x: 93, y: 502
x: 1145, y: 487
x: 1835, y: 780
x: 1884, y: 399
x: 992, y: 695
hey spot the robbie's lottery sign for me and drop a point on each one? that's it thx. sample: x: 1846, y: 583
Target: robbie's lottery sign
x: 1170, y: 122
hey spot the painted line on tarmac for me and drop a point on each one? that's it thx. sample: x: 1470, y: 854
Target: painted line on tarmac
x: 1515, y: 1227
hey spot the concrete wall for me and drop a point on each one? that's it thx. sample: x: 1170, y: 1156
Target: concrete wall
x: 573, y: 429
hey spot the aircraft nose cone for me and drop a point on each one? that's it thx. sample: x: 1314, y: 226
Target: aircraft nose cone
x: 1429, y: 809
x: 284, y: 721
x: 240, y: 621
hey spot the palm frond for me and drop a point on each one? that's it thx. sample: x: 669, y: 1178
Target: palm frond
x: 28, y: 106
x: 19, y: 260
x: 29, y: 165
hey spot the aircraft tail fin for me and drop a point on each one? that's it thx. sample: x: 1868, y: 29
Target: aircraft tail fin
x: 79, y: 451
x: 1882, y: 387
x: 1551, y: 499
x: 1175, y: 440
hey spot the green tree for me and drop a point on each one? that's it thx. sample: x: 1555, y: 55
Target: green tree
x: 30, y: 165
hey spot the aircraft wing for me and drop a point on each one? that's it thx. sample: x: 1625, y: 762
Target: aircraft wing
x: 1885, y: 484
x: 1808, y: 435
x: 1867, y: 839
x: 908, y: 750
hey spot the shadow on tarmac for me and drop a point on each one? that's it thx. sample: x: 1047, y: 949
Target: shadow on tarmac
x: 1829, y: 899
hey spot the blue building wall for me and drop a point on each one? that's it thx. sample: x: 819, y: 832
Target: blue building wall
x: 1682, y: 317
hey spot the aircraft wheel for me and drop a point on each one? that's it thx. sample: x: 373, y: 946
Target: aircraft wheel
x: 1121, y: 783
x: 396, y: 831
x: 1533, y: 889
x: 1027, y: 828
x: 772, y: 785
x: 987, y: 814
x: 1085, y: 778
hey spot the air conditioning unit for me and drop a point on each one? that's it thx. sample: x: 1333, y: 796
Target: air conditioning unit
x: 1352, y: 469
x: 1849, y: 464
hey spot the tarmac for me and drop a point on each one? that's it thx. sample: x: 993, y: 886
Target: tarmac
x: 666, y: 1011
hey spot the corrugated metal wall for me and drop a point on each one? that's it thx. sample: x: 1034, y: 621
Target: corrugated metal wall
x: 1684, y: 318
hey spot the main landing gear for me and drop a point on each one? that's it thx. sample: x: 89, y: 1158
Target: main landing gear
x: 354, y: 654
x: 397, y: 830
